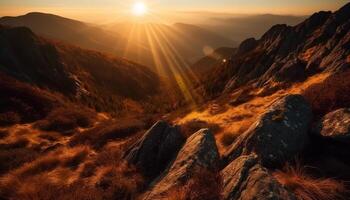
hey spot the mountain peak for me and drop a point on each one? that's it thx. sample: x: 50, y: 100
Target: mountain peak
x: 344, y: 12
x: 288, y: 53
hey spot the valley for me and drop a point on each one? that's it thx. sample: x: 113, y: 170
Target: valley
x: 155, y: 111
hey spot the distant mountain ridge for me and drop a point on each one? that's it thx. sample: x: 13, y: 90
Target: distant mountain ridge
x: 287, y: 54
x: 187, y: 40
x: 90, y: 77
x: 210, y: 61
x: 241, y: 27
x: 67, y: 30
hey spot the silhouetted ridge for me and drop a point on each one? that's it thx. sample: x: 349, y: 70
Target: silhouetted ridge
x: 88, y: 76
x: 287, y: 54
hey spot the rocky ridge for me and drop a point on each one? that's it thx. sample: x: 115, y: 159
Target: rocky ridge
x: 287, y: 54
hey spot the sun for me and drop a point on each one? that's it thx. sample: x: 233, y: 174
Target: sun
x: 139, y: 9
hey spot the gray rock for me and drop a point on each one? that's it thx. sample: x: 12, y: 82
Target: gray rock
x: 287, y: 54
x: 293, y: 70
x: 278, y: 135
x: 335, y: 125
x: 247, y: 45
x: 199, y: 152
x: 245, y: 179
x: 156, y: 149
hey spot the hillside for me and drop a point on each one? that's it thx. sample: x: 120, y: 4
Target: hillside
x: 240, y: 27
x: 287, y: 54
x: 209, y: 62
x: 93, y: 78
x: 169, y: 46
x: 273, y: 122
x: 68, y: 30
x: 127, y: 40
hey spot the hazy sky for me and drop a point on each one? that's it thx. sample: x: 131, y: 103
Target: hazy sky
x: 103, y: 10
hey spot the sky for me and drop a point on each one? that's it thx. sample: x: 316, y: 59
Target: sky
x: 109, y: 10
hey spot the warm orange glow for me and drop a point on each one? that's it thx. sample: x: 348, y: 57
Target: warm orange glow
x: 139, y: 9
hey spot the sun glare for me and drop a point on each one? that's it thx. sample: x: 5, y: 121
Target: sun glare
x: 139, y: 9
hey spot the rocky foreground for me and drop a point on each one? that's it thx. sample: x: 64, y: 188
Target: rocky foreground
x: 278, y: 136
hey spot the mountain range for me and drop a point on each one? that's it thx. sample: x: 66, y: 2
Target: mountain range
x: 96, y: 79
x: 287, y: 53
x: 269, y: 119
x: 125, y: 40
x: 240, y: 27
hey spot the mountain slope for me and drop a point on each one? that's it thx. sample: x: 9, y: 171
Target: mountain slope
x: 287, y: 54
x: 210, y: 61
x: 238, y: 28
x: 135, y: 42
x: 67, y: 30
x: 99, y: 80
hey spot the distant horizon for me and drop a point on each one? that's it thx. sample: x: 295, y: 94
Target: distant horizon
x: 207, y: 14
x: 165, y: 12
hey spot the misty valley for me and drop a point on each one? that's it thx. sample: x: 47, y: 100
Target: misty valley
x: 175, y: 101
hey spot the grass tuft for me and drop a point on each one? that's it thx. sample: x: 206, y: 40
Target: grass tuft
x: 306, y: 187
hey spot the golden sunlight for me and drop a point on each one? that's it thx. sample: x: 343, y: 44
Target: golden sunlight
x: 139, y: 9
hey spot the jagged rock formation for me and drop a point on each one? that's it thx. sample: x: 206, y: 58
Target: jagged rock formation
x: 280, y: 133
x: 247, y: 45
x: 287, y: 54
x: 153, y: 152
x: 335, y: 125
x: 199, y: 152
x: 245, y: 179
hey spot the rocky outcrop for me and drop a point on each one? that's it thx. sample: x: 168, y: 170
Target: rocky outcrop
x: 335, y: 125
x: 198, y: 153
x: 279, y: 134
x: 292, y: 70
x: 247, y: 45
x: 287, y: 54
x: 152, y: 153
x: 246, y: 179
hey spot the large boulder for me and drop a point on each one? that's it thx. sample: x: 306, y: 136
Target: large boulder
x: 199, y: 153
x: 152, y: 153
x: 335, y: 125
x: 278, y: 135
x: 245, y: 179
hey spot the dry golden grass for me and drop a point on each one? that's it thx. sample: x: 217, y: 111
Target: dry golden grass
x: 227, y: 139
x: 237, y: 119
x: 66, y: 119
x: 194, y: 125
x: 330, y: 94
x: 74, y: 173
x: 4, y: 134
x: 106, y: 132
x: 204, y: 185
x: 306, y: 187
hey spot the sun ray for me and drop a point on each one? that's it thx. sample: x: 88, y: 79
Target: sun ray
x: 155, y: 54
x: 174, y: 67
x: 184, y: 63
x: 129, y: 40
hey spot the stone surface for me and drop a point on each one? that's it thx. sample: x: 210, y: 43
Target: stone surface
x: 199, y: 152
x: 335, y: 125
x: 247, y: 45
x: 287, y: 54
x: 153, y: 152
x: 278, y: 135
x: 245, y: 179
